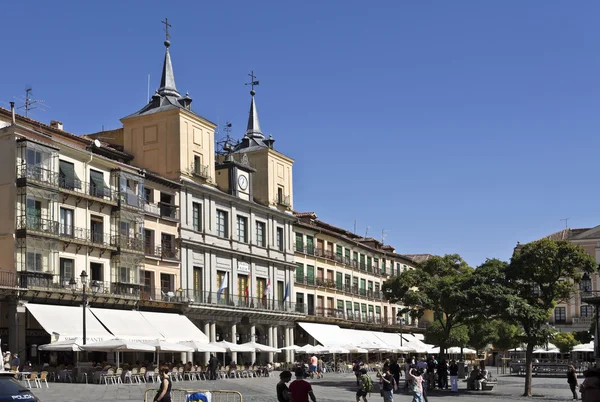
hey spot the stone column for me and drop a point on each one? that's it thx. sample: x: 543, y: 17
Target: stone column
x: 292, y: 352
x: 275, y: 340
x: 270, y: 343
x: 253, y: 339
x: 233, y: 340
x: 213, y: 331
x: 287, y: 343
x: 207, y: 333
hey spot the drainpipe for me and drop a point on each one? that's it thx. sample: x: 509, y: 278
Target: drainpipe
x: 12, y: 112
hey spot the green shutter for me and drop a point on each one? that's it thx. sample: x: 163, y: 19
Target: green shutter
x: 338, y: 280
x: 66, y: 175
x: 340, y: 305
x: 310, y: 245
x: 378, y: 309
x: 363, y: 308
x: 338, y: 252
x: 96, y: 183
x: 362, y: 262
x: 310, y: 274
x: 362, y: 287
x: 369, y: 264
x: 383, y: 266
x: 347, y: 257
x: 349, y: 306
x: 300, y: 273
x: 299, y: 243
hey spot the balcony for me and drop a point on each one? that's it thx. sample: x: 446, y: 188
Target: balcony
x: 90, y: 191
x: 283, y: 200
x: 201, y: 170
x: 163, y: 210
x: 587, y: 321
x: 130, y: 200
x: 196, y: 297
x: 31, y: 223
x: 124, y: 242
x: 69, y: 234
x: 37, y: 174
x: 164, y: 252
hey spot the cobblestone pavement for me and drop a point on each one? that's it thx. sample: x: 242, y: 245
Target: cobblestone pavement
x: 334, y: 387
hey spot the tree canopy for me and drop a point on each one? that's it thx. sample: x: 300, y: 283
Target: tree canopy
x: 564, y: 341
x: 439, y: 286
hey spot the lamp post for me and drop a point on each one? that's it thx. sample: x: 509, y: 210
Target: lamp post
x: 94, y: 286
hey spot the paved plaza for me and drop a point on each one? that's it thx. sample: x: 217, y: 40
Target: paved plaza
x: 334, y: 387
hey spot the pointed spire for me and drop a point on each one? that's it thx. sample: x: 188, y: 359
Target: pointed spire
x: 253, y: 129
x: 167, y: 80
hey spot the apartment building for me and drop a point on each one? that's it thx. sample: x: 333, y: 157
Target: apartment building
x: 236, y: 225
x: 339, y: 277
x: 67, y: 206
x: 576, y: 314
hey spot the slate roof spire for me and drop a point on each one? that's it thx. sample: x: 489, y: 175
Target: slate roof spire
x: 167, y: 80
x: 253, y: 128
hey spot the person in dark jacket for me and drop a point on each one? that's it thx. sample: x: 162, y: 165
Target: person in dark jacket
x: 572, y: 380
x: 442, y: 372
x: 453, y: 368
x: 395, y: 371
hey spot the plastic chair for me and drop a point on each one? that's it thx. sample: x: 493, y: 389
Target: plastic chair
x: 32, y: 377
x: 43, y: 377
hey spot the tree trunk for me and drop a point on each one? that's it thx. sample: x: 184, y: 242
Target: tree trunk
x: 528, y: 359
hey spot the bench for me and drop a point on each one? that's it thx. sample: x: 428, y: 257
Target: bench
x: 485, y: 386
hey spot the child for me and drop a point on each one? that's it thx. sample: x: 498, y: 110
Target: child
x: 417, y: 385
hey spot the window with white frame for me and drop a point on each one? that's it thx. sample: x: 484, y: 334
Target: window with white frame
x: 34, y: 261
x: 222, y: 223
x: 260, y: 234
x: 280, y: 239
x: 197, y: 216
x: 560, y: 314
x: 587, y: 311
x: 242, y: 225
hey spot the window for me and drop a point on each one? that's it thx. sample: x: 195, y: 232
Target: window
x: 310, y: 245
x: 124, y: 228
x: 197, y: 216
x: 587, y: 311
x: 34, y: 157
x: 280, y: 195
x: 66, y: 270
x: 222, y: 223
x: 362, y: 287
x: 299, y: 242
x: 338, y: 252
x: 97, y: 229
x: 300, y: 273
x: 383, y: 266
x: 66, y: 222
x: 97, y: 183
x: 242, y: 224
x: 280, y: 239
x: 34, y: 214
x: 260, y: 234
x: 66, y: 176
x: 586, y: 284
x: 338, y: 280
x: 347, y: 257
x: 167, y: 244
x: 166, y: 283
x: 369, y: 264
x: 148, y: 195
x: 560, y: 314
x: 362, y: 262
x: 310, y: 275
x: 197, y: 164
x: 34, y: 261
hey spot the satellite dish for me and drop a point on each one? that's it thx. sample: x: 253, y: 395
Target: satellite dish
x: 97, y: 143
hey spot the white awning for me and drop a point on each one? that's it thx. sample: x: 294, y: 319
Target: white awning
x: 66, y: 322
x: 174, y: 327
x: 325, y: 334
x: 414, y: 343
x: 127, y: 325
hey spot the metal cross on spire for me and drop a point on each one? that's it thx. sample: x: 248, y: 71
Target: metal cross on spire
x: 166, y: 29
x: 252, y: 82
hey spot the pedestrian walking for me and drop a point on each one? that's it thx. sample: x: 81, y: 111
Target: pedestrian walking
x: 283, y: 392
x: 388, y: 385
x: 453, y: 368
x: 572, y: 380
x: 164, y: 391
x: 300, y: 389
x: 416, y: 385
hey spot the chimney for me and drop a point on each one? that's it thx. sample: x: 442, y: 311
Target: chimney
x: 56, y: 124
x: 12, y: 112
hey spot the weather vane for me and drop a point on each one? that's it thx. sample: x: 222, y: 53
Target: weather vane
x: 252, y: 82
x: 167, y: 25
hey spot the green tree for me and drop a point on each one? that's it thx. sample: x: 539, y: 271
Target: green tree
x: 435, y: 335
x: 482, y: 332
x: 440, y: 286
x: 583, y: 336
x: 509, y: 336
x: 540, y: 275
x: 564, y: 341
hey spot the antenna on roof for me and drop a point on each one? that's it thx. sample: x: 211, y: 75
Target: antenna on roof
x: 566, y: 222
x: 354, y: 226
x: 367, y: 231
x: 29, y: 101
x: 383, y: 235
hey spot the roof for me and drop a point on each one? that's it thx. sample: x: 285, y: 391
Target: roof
x: 254, y: 139
x: 167, y: 97
x: 52, y: 130
x: 419, y: 258
x: 309, y: 220
x: 566, y: 234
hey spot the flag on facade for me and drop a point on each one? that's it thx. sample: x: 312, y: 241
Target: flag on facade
x: 247, y: 291
x: 223, y: 286
x: 268, y: 288
x: 287, y: 291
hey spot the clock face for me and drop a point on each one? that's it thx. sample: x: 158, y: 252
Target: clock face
x: 243, y: 182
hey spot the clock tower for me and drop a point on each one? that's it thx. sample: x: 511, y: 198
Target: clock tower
x: 235, y: 176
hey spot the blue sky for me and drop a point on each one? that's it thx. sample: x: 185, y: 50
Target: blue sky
x: 457, y: 126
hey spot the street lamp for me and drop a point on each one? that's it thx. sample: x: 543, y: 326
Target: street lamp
x: 94, y: 286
